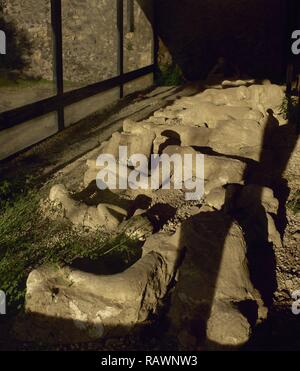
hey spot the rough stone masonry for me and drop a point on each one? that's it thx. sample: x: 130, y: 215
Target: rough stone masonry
x: 90, y: 42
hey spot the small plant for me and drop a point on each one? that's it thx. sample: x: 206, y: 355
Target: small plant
x: 294, y: 203
x: 170, y: 76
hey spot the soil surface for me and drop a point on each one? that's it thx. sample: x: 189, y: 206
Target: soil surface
x: 282, y: 329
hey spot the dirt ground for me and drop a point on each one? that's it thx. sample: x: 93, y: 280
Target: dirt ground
x: 282, y: 330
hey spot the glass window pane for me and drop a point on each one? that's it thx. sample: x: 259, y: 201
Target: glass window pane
x: 21, y: 136
x: 26, y: 70
x: 138, y: 35
x: 139, y: 84
x: 90, y: 41
x: 89, y: 106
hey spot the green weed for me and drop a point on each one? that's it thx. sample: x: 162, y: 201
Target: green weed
x: 29, y: 239
x: 170, y: 76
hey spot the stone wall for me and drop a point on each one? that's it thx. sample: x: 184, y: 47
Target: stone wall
x: 138, y: 45
x: 89, y: 39
x: 29, y: 23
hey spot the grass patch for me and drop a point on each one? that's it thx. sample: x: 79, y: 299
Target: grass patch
x: 12, y: 191
x: 6, y: 82
x: 29, y: 239
x: 23, y: 83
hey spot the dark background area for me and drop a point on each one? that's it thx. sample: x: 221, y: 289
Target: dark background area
x: 250, y: 34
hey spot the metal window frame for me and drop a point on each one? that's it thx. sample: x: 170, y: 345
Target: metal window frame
x: 61, y: 99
